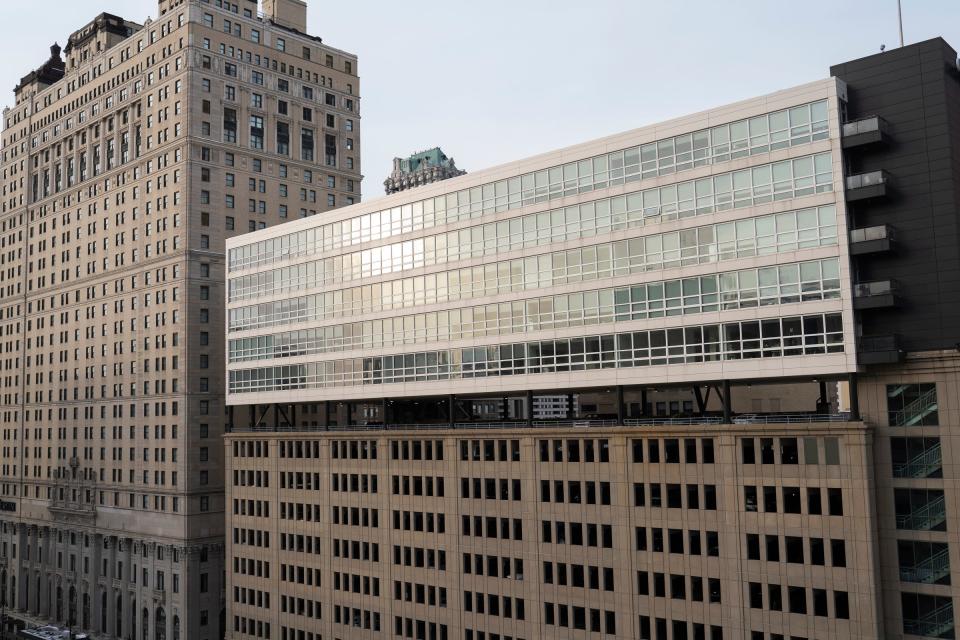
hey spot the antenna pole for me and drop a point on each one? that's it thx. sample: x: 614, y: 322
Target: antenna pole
x: 900, y: 21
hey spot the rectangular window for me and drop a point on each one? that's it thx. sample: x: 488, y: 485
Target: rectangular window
x: 912, y: 405
x: 256, y: 132
x: 306, y: 144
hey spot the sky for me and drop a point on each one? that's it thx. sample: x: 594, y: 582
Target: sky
x: 494, y: 81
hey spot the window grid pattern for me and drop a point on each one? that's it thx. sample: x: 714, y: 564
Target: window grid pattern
x: 778, y: 130
x: 789, y: 231
x: 746, y: 288
x: 771, y: 338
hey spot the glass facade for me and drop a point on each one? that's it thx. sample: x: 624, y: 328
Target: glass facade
x: 784, y: 232
x: 642, y: 248
x: 761, y: 134
x: 747, y: 288
x: 759, y: 185
x: 773, y: 338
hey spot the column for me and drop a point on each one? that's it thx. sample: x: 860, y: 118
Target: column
x: 727, y: 410
x: 451, y: 406
x: 620, y: 407
x: 529, y: 408
x: 150, y: 623
x: 128, y: 609
x: 854, y: 398
x: 111, y: 607
x: 96, y: 591
x: 23, y: 586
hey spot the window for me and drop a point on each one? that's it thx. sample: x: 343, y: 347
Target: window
x: 912, y: 405
x: 798, y: 599
x: 281, y: 44
x: 306, y: 144
x: 256, y: 132
x: 229, y: 125
x: 835, y: 500
x: 283, y: 138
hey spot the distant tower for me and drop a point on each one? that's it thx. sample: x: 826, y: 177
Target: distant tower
x: 421, y: 168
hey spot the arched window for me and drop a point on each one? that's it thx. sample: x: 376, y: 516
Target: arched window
x: 160, y: 631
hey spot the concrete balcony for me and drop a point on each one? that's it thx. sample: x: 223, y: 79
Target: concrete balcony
x: 864, y: 131
x: 864, y: 186
x: 868, y: 240
x: 883, y: 349
x: 875, y: 295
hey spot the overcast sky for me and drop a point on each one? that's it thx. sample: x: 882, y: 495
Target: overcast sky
x: 493, y: 81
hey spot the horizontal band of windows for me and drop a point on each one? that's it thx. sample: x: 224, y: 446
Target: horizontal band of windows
x: 748, y: 288
x: 765, y: 235
x: 761, y: 134
x: 772, y: 338
x: 740, y: 189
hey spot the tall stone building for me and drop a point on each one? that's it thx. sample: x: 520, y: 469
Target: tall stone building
x: 423, y: 167
x: 129, y: 157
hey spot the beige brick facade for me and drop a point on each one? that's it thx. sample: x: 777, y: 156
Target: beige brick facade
x: 126, y: 165
x: 563, y: 532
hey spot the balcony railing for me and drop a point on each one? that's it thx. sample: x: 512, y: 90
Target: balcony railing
x: 875, y: 295
x: 864, y: 125
x: 751, y: 418
x: 790, y: 418
x: 870, y: 179
x: 882, y: 349
x: 868, y: 234
x: 864, y: 131
x: 877, y: 288
x: 867, y: 185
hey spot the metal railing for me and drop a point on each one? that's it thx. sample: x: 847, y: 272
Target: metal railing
x: 921, y: 465
x: 917, y: 410
x: 869, y: 179
x: 872, y: 344
x: 777, y: 418
x: 790, y: 418
x: 880, y: 232
x: 685, y: 421
x: 929, y: 570
x: 864, y: 125
x: 932, y: 625
x: 924, y: 518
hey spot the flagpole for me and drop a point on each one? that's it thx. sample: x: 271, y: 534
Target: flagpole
x: 900, y: 21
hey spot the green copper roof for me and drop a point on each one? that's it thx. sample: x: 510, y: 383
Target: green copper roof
x: 430, y: 157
